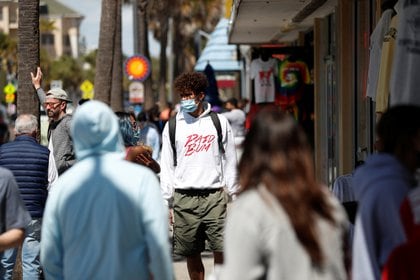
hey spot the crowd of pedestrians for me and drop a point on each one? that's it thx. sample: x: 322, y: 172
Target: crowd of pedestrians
x: 99, y: 201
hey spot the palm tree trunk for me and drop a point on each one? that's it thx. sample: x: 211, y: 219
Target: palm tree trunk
x: 105, y: 56
x: 143, y: 48
x: 28, y: 56
x: 117, y: 89
x: 163, y: 61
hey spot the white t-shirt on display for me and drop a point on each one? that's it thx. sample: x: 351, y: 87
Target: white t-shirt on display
x: 405, y: 82
x: 263, y: 72
x: 376, y: 40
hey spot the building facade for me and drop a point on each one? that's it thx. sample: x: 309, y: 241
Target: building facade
x: 335, y: 38
x: 59, y: 26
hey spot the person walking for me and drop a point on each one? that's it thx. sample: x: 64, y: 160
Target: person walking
x: 14, y: 217
x: 54, y: 103
x: 284, y: 224
x: 35, y: 173
x: 138, y: 153
x: 149, y: 133
x: 236, y: 118
x: 196, y: 173
x: 380, y: 186
x: 105, y: 218
x: 402, y: 263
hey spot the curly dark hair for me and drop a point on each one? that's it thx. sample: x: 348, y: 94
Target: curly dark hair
x: 191, y: 82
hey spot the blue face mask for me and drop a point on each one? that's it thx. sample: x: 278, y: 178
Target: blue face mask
x: 188, y: 105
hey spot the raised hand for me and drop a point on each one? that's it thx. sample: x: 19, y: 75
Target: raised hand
x: 37, y: 79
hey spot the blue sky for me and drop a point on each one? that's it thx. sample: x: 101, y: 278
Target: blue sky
x: 91, y: 10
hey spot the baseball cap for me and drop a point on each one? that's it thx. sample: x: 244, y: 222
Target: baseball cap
x: 58, y: 93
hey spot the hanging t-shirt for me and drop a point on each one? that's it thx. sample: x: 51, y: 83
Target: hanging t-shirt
x: 405, y: 81
x: 387, y: 62
x: 263, y: 73
x: 375, y: 49
x: 293, y: 76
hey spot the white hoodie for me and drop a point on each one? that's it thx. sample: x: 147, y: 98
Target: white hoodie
x: 199, y: 163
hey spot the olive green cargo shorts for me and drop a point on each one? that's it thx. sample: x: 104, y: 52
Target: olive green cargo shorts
x: 199, y: 215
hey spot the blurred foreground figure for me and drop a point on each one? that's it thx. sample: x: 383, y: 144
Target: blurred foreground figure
x: 34, y: 169
x: 381, y: 185
x: 402, y: 263
x: 13, y: 215
x: 105, y: 219
x: 284, y: 225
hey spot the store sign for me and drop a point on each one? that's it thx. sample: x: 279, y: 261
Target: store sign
x: 137, y: 68
x: 9, y: 91
x: 87, y: 88
x: 136, y: 92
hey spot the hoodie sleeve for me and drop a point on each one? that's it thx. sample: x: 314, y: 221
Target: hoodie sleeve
x: 155, y: 220
x: 51, y: 243
x: 167, y: 168
x: 229, y: 160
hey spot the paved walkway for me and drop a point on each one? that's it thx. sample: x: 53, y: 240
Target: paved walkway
x: 180, y: 267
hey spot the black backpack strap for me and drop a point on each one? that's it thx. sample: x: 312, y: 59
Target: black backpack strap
x: 172, y: 128
x: 216, y: 123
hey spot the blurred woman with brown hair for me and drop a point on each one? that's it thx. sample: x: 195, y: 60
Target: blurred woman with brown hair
x: 284, y: 224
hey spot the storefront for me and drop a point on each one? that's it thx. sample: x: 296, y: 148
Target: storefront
x: 337, y: 33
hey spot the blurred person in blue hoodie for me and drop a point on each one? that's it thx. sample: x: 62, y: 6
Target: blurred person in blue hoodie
x: 380, y: 185
x: 106, y: 218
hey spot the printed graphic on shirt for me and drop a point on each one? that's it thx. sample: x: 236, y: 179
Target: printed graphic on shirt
x: 198, y: 143
x: 293, y: 75
x: 265, y: 78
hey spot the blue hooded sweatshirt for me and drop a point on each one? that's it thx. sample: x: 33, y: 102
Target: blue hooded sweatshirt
x: 380, y: 185
x: 106, y: 218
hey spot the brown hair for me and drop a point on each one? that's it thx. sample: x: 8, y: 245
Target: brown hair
x: 277, y: 154
x: 191, y: 82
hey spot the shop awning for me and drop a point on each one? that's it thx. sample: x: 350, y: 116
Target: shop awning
x: 218, y: 53
x: 274, y: 21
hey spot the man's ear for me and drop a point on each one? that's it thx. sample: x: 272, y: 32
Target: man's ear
x: 201, y: 95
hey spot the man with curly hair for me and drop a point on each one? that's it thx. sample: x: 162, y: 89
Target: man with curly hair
x: 202, y: 176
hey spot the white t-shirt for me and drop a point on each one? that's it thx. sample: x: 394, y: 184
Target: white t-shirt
x: 376, y: 40
x: 405, y: 82
x: 263, y: 72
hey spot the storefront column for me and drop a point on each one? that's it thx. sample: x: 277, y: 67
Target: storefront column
x: 345, y: 72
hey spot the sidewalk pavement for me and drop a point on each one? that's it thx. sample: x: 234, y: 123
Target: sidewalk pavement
x: 180, y: 266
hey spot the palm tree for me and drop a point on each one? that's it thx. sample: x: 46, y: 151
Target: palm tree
x: 106, y: 49
x: 116, y: 98
x: 28, y: 55
x: 140, y: 7
x: 161, y: 11
x: 189, y: 16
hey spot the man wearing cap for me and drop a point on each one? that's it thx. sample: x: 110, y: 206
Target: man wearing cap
x: 60, y: 142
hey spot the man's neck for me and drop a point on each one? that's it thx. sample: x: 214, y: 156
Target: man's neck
x: 197, y: 112
x: 62, y: 115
